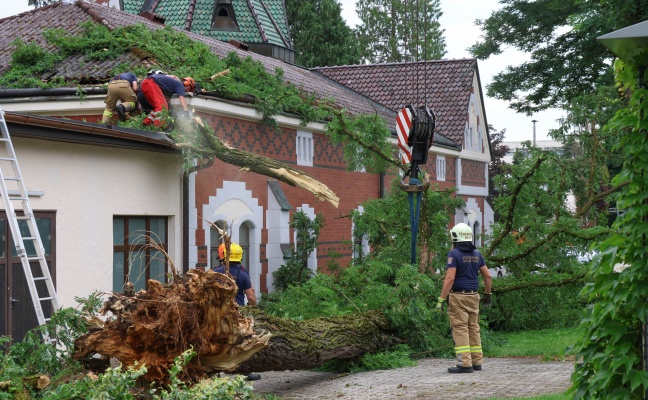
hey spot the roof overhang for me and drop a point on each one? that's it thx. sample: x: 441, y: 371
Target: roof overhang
x: 59, y: 129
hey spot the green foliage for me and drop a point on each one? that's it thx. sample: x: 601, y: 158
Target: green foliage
x: 537, y: 230
x: 114, y: 384
x: 564, y: 63
x: 397, y: 357
x: 319, y: 34
x: 535, y: 307
x: 174, y: 52
x: 295, y: 271
x: 611, y: 344
x: 396, y: 31
x: 28, y: 62
x: 405, y: 296
x: 385, y: 223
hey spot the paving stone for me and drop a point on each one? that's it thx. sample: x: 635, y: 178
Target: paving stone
x: 502, y: 377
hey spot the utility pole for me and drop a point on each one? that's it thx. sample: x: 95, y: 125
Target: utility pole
x: 534, y: 135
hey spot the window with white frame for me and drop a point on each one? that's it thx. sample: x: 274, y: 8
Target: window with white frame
x: 441, y: 168
x: 305, y: 148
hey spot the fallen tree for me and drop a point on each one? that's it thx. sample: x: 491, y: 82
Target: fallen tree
x: 198, y: 311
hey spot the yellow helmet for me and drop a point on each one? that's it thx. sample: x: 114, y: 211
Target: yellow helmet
x: 236, y: 252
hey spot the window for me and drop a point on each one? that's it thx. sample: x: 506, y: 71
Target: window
x: 305, y: 148
x: 136, y: 251
x: 244, y: 242
x: 215, y: 241
x: 223, y: 18
x: 441, y: 168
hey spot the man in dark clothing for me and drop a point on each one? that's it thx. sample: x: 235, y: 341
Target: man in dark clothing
x: 241, y: 276
x: 242, y: 279
x: 121, y: 87
x: 460, y: 286
x: 156, y: 89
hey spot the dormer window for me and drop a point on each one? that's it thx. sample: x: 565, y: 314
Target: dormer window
x: 223, y: 18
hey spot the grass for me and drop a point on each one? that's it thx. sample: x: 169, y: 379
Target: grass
x: 550, y: 344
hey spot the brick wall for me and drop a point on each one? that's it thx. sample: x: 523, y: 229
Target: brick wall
x: 473, y: 173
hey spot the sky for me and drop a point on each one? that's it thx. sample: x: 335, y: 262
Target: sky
x: 460, y: 33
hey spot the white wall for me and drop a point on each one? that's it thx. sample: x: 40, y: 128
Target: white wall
x: 86, y: 186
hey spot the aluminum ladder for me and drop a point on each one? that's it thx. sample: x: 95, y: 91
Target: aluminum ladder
x: 14, y: 196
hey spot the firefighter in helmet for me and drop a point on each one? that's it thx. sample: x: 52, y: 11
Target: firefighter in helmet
x: 460, y: 287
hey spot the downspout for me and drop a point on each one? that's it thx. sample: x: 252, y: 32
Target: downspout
x: 185, y: 211
x: 381, y: 185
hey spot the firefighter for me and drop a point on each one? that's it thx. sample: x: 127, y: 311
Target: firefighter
x: 121, y: 87
x: 156, y: 89
x: 243, y: 283
x: 460, y: 287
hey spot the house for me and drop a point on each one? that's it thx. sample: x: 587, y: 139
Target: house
x: 452, y: 89
x: 93, y: 190
x: 257, y: 210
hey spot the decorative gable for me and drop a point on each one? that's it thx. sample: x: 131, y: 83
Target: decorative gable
x: 224, y: 18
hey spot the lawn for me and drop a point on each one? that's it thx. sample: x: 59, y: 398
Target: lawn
x: 550, y: 344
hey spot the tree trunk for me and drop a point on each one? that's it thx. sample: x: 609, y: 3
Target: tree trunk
x: 297, y: 345
x: 198, y: 311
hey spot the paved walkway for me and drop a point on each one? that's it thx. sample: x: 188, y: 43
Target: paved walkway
x: 501, y: 377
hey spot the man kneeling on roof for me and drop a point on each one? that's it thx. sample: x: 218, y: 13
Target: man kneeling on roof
x: 156, y: 88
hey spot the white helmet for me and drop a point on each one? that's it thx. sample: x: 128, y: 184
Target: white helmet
x: 461, y: 233
x: 155, y: 72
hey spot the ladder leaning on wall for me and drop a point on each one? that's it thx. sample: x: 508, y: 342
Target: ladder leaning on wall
x: 27, y: 241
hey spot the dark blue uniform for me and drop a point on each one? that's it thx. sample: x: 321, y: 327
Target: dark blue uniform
x: 241, y: 278
x: 467, y: 261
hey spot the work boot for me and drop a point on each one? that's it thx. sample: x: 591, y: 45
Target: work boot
x: 459, y: 370
x: 253, y: 377
x: 476, y: 367
x: 121, y: 111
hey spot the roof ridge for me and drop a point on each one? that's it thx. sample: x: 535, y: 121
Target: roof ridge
x: 190, y: 15
x: 450, y: 60
x: 87, y: 8
x: 52, y: 5
x: 275, y: 24
x: 256, y: 20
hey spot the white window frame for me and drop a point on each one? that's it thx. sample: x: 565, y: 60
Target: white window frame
x: 441, y: 168
x: 304, y: 148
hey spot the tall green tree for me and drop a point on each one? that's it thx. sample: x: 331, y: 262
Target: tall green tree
x: 41, y: 3
x: 400, y: 30
x: 560, y: 35
x: 320, y: 35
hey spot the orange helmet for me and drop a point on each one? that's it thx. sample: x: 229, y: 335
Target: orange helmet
x: 221, y: 251
x: 189, y: 84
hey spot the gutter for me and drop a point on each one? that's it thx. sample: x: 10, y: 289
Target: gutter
x: 38, y: 92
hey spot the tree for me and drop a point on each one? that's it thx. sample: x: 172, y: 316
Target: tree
x: 612, y: 345
x: 497, y: 166
x: 400, y: 31
x: 320, y: 35
x: 566, y: 59
x: 41, y: 3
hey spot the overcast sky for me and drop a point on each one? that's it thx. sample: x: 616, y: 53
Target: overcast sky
x: 460, y: 33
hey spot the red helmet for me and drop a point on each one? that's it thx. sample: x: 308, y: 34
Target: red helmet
x: 189, y: 84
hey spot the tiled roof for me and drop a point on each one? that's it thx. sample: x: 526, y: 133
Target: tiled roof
x: 260, y: 21
x: 29, y: 26
x: 444, y: 85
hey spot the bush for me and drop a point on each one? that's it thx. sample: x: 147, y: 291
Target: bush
x: 536, y: 308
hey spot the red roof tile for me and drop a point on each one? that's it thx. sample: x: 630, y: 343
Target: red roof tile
x: 29, y: 26
x: 444, y: 85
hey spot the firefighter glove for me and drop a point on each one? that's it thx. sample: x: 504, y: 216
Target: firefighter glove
x: 440, y: 304
x: 487, y: 300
